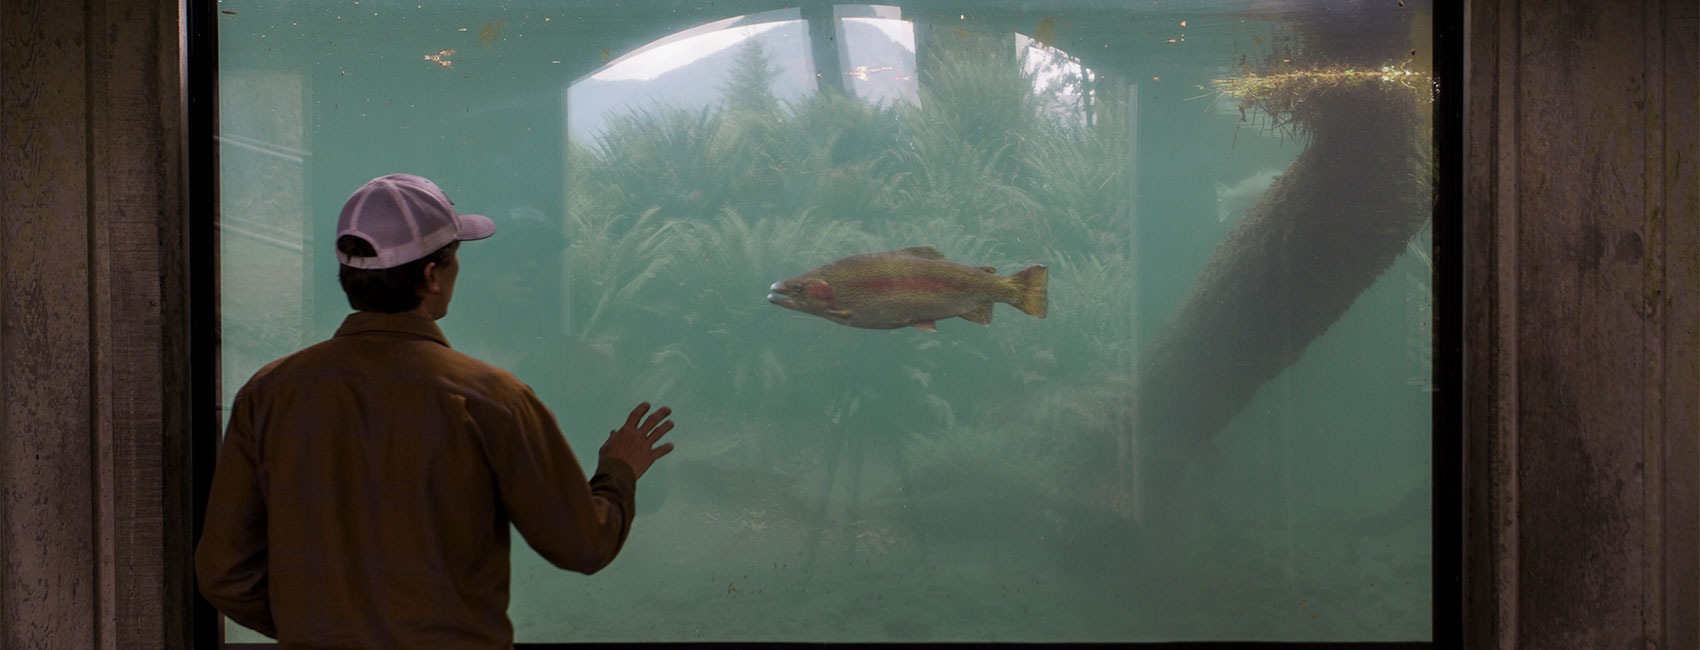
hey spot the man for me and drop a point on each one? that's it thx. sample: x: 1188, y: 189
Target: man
x: 366, y: 484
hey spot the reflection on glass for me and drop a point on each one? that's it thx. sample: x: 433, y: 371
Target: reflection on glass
x: 264, y: 232
x: 1220, y: 430
x: 690, y: 70
x: 879, y: 53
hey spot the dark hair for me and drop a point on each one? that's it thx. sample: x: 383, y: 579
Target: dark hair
x: 389, y: 290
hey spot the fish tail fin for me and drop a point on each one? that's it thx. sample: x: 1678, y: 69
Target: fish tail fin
x: 1030, y: 290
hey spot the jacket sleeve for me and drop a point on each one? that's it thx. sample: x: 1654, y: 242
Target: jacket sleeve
x: 576, y: 524
x: 230, y: 560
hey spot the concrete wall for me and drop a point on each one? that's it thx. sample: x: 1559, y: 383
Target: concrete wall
x: 1582, y: 326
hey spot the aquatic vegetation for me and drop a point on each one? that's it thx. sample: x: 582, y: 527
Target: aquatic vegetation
x: 1288, y: 97
x: 654, y: 157
x: 956, y: 239
x: 1053, y: 444
x: 1078, y: 182
x: 611, y: 261
x: 977, y: 94
x: 1095, y: 296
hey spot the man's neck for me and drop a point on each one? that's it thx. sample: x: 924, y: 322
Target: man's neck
x: 426, y: 308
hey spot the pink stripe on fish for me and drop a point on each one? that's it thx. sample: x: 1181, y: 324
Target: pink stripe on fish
x: 907, y: 284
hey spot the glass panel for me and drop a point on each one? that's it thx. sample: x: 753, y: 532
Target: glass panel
x: 1215, y: 425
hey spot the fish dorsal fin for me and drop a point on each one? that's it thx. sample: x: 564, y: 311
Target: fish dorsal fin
x: 989, y: 269
x: 924, y: 325
x: 923, y: 251
x: 981, y: 314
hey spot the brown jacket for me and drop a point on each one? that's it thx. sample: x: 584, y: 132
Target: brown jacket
x: 365, y: 487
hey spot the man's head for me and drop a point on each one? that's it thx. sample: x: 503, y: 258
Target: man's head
x: 396, y: 240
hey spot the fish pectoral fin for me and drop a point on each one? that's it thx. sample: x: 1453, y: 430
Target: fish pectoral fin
x: 923, y: 251
x: 981, y: 314
x: 924, y: 325
x: 839, y: 313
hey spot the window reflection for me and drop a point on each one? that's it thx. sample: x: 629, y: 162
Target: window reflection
x: 691, y: 70
x: 879, y: 65
x: 1060, y: 79
x: 873, y: 47
x: 263, y: 224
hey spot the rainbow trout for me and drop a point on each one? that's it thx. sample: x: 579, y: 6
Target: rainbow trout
x: 913, y: 287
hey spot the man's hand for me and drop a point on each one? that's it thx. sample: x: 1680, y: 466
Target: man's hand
x: 635, y: 443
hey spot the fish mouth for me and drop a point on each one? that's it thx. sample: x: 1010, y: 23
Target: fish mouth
x: 776, y: 295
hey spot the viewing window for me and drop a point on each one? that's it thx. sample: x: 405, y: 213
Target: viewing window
x: 1219, y: 425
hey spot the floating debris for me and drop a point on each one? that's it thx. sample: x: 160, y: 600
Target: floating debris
x: 490, y: 32
x: 441, y: 58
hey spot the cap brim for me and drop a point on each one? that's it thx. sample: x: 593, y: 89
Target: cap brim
x: 475, y: 226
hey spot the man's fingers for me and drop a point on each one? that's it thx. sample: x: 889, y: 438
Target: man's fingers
x: 661, y: 431
x: 657, y: 417
x: 637, y: 415
x: 652, y: 429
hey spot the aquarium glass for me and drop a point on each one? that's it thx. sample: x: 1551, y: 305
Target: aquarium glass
x: 1220, y: 429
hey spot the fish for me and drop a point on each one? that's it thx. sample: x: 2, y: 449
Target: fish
x: 1233, y: 202
x: 913, y: 287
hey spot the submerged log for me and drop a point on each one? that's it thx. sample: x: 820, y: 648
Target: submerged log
x: 1323, y: 233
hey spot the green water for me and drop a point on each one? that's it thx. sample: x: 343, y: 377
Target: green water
x: 978, y: 483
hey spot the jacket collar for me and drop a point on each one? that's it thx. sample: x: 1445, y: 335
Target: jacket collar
x: 406, y: 323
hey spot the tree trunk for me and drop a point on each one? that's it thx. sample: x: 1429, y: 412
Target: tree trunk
x: 1321, y: 235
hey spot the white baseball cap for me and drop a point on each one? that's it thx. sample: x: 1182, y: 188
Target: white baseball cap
x: 404, y: 217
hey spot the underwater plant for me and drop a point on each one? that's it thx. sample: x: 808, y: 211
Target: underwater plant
x: 611, y: 261
x: 656, y: 157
